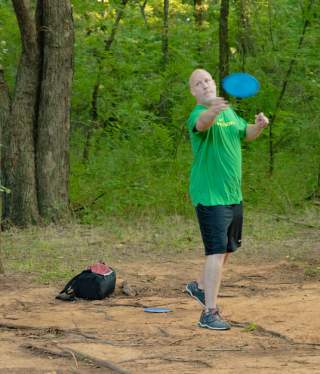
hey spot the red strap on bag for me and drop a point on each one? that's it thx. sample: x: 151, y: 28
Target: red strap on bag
x: 100, y: 268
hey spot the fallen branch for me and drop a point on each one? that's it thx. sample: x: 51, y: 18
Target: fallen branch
x: 67, y: 352
x: 54, y: 330
x: 170, y: 359
x: 262, y: 331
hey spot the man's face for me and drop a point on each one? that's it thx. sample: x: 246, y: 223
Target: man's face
x: 203, y: 87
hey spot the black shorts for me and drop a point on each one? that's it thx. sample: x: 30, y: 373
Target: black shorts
x: 221, y: 227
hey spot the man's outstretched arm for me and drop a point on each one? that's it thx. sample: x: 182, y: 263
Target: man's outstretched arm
x: 253, y: 131
x: 208, y: 117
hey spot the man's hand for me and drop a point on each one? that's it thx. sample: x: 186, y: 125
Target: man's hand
x: 207, y: 118
x: 253, y: 131
x: 261, y: 121
x: 218, y: 105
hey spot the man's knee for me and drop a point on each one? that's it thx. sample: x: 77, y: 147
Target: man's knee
x: 217, y: 258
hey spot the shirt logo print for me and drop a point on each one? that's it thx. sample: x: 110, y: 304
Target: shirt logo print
x: 223, y: 123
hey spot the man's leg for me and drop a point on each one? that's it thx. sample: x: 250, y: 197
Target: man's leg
x: 201, y: 278
x: 210, y: 317
x: 212, y: 279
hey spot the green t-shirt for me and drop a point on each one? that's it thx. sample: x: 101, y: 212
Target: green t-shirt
x: 216, y: 170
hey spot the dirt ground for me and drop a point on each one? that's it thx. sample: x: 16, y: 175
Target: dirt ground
x: 273, y: 309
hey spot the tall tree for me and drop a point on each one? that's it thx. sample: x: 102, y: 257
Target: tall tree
x: 223, y: 43
x: 37, y: 131
x: 52, y: 140
x: 21, y: 206
x: 4, y: 113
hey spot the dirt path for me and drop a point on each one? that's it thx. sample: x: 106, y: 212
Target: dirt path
x: 274, y: 311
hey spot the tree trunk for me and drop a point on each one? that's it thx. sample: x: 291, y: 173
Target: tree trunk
x: 21, y: 205
x: 36, y: 135
x: 245, y: 38
x: 223, y: 44
x: 4, y: 115
x: 285, y: 82
x: 270, y: 24
x: 95, y: 93
x: 163, y: 104
x: 54, y: 109
x: 165, y: 41
x: 198, y: 12
x: 143, y: 13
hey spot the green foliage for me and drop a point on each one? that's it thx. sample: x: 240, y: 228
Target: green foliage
x: 250, y: 327
x: 138, y: 161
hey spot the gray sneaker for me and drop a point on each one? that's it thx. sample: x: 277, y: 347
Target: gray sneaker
x: 195, y: 292
x: 212, y: 320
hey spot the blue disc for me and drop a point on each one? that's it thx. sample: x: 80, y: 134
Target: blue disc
x: 157, y: 310
x: 241, y: 85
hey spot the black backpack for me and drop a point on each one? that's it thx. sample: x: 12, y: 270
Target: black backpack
x: 88, y: 285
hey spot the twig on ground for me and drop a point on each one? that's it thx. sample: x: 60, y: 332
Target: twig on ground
x: 262, y: 331
x: 75, y: 359
x: 66, y: 352
x: 170, y: 359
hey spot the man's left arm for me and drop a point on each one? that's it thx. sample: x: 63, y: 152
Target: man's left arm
x: 253, y: 131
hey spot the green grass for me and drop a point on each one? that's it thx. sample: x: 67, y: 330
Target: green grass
x: 252, y: 326
x: 55, y: 253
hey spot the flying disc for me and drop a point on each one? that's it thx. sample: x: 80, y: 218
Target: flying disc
x: 241, y: 85
x: 157, y: 310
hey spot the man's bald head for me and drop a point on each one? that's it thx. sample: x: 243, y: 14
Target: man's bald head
x: 202, y: 86
x: 194, y: 75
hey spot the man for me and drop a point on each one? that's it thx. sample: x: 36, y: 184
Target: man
x: 215, y: 186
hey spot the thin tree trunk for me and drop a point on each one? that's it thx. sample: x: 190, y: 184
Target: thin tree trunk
x: 270, y: 24
x: 19, y: 176
x: 245, y: 39
x: 223, y: 44
x: 4, y: 115
x: 165, y: 40
x: 163, y: 104
x: 94, y: 114
x: 143, y: 13
x: 283, y: 90
x: 54, y: 110
x: 198, y: 12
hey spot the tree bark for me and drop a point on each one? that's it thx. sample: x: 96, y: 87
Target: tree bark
x: 223, y: 44
x: 54, y: 109
x: 19, y: 162
x: 4, y: 115
x: 36, y: 135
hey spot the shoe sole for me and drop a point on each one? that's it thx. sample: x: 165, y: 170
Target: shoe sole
x: 190, y: 293
x: 212, y: 328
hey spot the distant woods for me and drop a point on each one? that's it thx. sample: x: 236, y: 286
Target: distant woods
x: 116, y: 143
